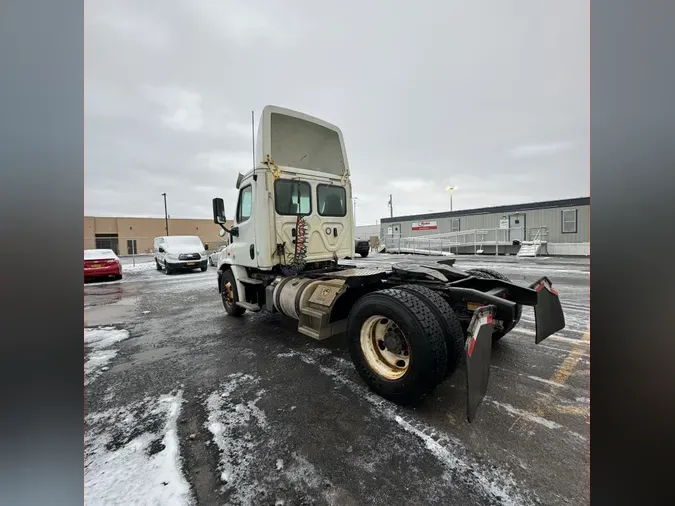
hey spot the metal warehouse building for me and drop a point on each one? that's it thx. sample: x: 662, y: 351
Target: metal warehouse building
x: 555, y: 227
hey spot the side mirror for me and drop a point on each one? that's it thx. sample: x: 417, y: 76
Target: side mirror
x: 219, y: 211
x: 161, y: 250
x: 221, y: 233
x: 206, y: 247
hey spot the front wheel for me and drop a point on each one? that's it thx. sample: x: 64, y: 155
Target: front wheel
x: 229, y: 294
x: 159, y: 267
x: 204, y: 268
x: 397, y: 345
x: 364, y: 255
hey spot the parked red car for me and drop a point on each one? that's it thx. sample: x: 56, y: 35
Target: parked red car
x: 101, y: 263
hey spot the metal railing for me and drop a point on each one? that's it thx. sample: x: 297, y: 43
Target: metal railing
x: 445, y: 243
x: 539, y: 234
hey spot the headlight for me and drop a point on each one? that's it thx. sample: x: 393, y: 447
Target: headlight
x: 171, y: 256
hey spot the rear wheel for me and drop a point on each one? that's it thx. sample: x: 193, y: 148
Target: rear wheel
x: 447, y: 319
x: 397, y: 345
x: 490, y: 274
x: 229, y: 295
x: 364, y: 254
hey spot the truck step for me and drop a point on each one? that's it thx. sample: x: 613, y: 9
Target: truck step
x: 308, y: 331
x: 249, y: 306
x: 251, y: 281
x: 314, y: 313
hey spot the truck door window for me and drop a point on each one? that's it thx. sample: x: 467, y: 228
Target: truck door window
x: 331, y: 200
x: 292, y: 198
x: 245, y: 204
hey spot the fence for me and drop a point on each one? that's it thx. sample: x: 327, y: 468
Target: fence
x: 446, y: 243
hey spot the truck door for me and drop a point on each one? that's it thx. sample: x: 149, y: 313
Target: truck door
x: 243, y: 244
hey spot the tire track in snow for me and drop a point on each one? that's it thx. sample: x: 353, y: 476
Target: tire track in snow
x: 489, y: 482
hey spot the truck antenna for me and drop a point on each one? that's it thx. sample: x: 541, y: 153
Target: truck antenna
x: 253, y: 135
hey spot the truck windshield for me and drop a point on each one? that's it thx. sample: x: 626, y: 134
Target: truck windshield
x: 292, y: 197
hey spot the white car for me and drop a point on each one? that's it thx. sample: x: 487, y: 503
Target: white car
x: 215, y: 256
x: 180, y: 252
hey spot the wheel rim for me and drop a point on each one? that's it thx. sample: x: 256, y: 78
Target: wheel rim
x: 385, y: 347
x: 228, y: 294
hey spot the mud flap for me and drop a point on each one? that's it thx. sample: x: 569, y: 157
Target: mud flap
x: 478, y: 349
x: 548, y: 313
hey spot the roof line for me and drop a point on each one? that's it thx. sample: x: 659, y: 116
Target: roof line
x: 548, y: 204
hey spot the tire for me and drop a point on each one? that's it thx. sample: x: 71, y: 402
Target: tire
x: 423, y: 335
x: 159, y: 267
x: 167, y: 269
x: 447, y: 319
x: 231, y: 308
x: 203, y: 269
x: 490, y: 274
x: 364, y: 255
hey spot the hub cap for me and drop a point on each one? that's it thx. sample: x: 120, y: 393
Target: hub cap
x: 385, y: 347
x: 228, y: 294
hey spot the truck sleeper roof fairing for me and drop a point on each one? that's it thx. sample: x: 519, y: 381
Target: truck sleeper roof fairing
x: 296, y: 140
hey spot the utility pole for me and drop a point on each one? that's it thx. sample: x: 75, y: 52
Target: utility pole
x: 166, y: 215
x: 391, y: 207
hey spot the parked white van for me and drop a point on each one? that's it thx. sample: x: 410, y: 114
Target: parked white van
x: 180, y: 252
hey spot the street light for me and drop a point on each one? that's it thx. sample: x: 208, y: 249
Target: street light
x: 166, y: 215
x: 451, y: 189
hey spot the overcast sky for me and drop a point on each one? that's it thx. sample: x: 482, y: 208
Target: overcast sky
x: 490, y: 96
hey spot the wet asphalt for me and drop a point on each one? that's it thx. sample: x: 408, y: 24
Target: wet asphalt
x: 302, y: 428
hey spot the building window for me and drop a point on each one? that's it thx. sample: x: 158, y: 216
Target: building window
x: 454, y: 225
x: 569, y: 221
x: 245, y: 205
x: 331, y: 200
x: 292, y: 198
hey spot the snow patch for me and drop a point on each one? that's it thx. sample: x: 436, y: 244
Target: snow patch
x: 134, y: 465
x: 99, y: 354
x: 232, y: 421
x: 525, y: 414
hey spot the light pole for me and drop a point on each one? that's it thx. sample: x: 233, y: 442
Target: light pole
x: 166, y: 215
x: 451, y: 189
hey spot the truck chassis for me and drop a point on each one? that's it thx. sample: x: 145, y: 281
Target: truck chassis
x: 408, y: 327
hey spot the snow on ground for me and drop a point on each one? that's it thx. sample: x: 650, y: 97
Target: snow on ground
x: 132, y: 455
x: 228, y: 417
x: 141, y: 266
x: 495, y: 485
x: 99, y: 353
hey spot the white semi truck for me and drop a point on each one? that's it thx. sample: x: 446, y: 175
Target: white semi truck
x: 409, y: 327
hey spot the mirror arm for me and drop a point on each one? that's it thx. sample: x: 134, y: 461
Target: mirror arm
x: 234, y: 231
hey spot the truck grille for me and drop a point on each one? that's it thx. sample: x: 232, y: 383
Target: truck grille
x: 189, y: 256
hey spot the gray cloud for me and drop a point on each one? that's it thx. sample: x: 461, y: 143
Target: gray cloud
x: 489, y: 96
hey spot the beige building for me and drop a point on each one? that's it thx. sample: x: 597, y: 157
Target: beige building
x: 136, y: 235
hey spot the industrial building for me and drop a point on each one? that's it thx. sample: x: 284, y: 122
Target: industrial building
x: 127, y: 236
x: 555, y: 227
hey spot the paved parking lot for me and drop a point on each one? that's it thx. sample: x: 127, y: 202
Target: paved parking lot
x: 186, y: 405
